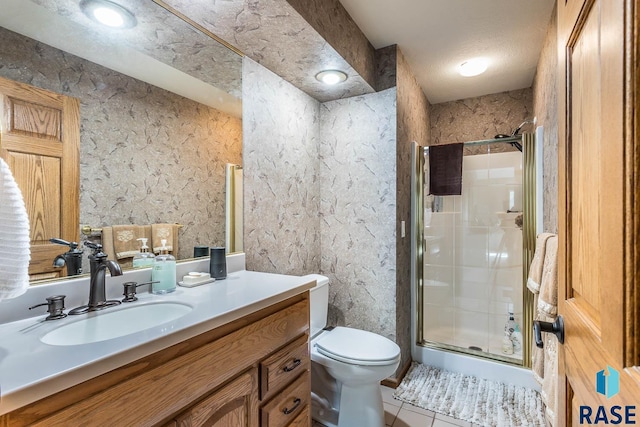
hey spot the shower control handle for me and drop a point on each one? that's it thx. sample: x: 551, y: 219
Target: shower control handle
x: 556, y: 328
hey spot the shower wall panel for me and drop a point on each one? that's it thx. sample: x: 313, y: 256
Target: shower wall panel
x: 473, y: 256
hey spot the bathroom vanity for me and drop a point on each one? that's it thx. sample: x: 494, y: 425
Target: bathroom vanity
x: 240, y: 357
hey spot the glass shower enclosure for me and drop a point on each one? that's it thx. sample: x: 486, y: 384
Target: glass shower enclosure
x: 472, y: 255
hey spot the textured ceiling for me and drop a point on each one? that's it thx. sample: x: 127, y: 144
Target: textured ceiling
x: 436, y: 36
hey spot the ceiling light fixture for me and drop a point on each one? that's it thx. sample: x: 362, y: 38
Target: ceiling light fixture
x: 108, y: 13
x: 331, y: 77
x: 473, y: 67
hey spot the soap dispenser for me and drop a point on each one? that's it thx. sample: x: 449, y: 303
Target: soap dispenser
x: 164, y: 271
x: 144, y: 258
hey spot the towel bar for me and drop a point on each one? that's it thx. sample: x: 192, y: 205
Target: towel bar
x: 88, y: 230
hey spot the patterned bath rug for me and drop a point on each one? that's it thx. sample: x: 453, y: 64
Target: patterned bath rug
x: 468, y: 398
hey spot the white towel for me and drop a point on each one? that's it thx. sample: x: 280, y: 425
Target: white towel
x: 548, y: 298
x: 535, y: 269
x: 14, y: 237
x: 547, y: 310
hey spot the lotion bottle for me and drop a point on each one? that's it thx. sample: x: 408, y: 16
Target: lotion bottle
x: 144, y: 258
x: 516, y: 339
x: 507, y: 344
x: 164, y: 271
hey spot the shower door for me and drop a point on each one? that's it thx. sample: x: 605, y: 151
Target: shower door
x: 472, y: 258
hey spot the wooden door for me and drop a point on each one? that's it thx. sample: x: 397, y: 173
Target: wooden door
x: 234, y: 405
x: 40, y: 141
x: 599, y: 381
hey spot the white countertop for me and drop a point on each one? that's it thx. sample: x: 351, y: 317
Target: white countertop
x: 31, y: 370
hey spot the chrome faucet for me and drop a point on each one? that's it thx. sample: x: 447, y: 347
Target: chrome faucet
x: 99, y: 264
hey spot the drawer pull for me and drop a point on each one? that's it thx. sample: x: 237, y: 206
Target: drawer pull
x: 296, y: 363
x: 288, y: 411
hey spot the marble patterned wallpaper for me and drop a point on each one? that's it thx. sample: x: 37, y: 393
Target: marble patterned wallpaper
x: 386, y: 67
x: 414, y: 112
x: 545, y: 106
x: 481, y: 117
x: 358, y: 204
x: 281, y: 174
x: 320, y: 194
x: 146, y: 155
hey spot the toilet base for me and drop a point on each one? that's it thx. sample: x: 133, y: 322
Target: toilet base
x: 361, y: 406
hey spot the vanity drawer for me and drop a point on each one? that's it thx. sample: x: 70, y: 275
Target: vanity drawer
x: 287, y: 405
x: 283, y: 366
x: 302, y: 420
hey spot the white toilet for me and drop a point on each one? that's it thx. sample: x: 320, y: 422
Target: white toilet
x: 347, y: 366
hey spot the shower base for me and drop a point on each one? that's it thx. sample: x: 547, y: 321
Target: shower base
x: 464, y: 340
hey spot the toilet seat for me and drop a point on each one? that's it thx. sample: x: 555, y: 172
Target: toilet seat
x: 357, y: 347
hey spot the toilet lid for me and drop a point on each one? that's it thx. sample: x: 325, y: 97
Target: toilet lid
x: 357, y: 347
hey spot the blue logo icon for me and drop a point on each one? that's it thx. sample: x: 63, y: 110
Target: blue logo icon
x: 608, y: 385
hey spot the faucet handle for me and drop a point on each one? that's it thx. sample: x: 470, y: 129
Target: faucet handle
x: 97, y: 247
x: 55, y: 307
x: 72, y: 245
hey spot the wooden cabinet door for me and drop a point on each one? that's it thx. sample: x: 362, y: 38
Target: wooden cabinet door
x: 234, y: 405
x: 599, y: 381
x: 40, y: 141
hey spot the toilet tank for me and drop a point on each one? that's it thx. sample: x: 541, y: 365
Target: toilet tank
x: 319, y: 302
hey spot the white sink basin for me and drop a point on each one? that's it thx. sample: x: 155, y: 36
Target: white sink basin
x: 106, y: 325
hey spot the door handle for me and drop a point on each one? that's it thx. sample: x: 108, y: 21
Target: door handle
x: 556, y: 328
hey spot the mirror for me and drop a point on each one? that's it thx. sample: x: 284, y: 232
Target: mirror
x: 160, y: 111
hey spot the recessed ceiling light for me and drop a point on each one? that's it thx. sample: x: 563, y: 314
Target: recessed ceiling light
x: 108, y: 13
x: 473, y: 67
x: 331, y: 77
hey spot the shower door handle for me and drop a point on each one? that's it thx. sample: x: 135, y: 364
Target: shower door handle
x: 556, y: 328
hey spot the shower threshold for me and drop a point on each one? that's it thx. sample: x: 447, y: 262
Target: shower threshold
x: 476, y: 351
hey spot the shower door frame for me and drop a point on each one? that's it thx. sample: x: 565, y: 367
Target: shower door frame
x: 528, y: 245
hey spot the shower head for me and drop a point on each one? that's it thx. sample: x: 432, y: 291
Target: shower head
x: 517, y: 131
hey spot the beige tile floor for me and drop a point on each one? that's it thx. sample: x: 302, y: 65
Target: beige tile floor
x: 400, y: 414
